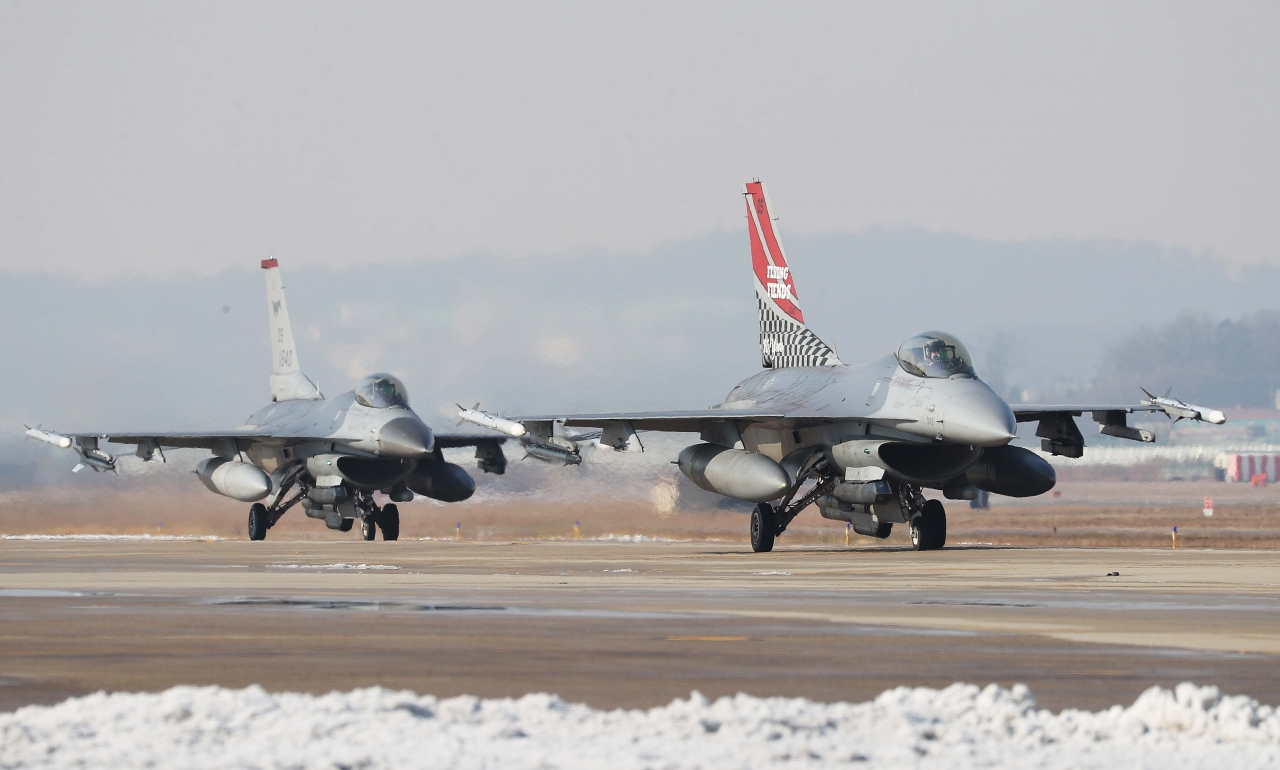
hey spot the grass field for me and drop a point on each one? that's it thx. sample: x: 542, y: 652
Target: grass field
x: 1086, y: 514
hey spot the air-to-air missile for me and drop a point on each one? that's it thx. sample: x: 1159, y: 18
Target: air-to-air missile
x: 491, y: 421
x: 62, y: 442
x: 1182, y: 410
x: 90, y: 455
x: 552, y: 449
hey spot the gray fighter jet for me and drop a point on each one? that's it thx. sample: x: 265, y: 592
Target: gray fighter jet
x: 329, y: 455
x: 861, y: 442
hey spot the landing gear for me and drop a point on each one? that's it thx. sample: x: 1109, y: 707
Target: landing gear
x: 764, y: 527
x: 257, y: 522
x: 346, y: 525
x: 767, y: 522
x: 929, y: 529
x: 262, y: 518
x: 389, y: 521
x: 373, y: 518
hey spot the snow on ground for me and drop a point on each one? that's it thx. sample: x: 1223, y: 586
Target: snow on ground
x: 962, y: 726
x: 109, y: 537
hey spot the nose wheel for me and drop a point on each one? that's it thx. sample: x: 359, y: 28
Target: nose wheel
x: 929, y: 529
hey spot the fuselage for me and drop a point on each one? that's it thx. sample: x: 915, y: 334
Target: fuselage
x: 339, y: 425
x: 876, y: 400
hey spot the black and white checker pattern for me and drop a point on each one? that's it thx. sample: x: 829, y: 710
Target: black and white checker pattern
x: 784, y: 342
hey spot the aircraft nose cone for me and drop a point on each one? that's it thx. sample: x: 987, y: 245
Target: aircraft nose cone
x: 979, y: 417
x: 405, y: 437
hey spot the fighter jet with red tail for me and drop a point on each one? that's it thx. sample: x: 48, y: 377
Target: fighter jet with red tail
x: 860, y: 442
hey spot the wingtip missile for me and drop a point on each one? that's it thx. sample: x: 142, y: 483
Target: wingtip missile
x: 49, y: 437
x: 90, y: 455
x: 1173, y: 407
x: 490, y: 421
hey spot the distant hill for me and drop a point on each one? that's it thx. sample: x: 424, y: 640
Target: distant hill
x: 672, y: 327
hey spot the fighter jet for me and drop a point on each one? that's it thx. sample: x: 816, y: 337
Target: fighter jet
x: 329, y: 455
x: 861, y: 442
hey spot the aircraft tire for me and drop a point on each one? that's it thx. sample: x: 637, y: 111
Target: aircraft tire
x: 389, y: 522
x: 368, y: 528
x: 929, y: 529
x: 346, y: 525
x: 937, y: 514
x: 884, y: 530
x: 764, y: 526
x: 257, y: 522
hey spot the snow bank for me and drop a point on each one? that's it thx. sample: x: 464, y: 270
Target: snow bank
x: 962, y: 726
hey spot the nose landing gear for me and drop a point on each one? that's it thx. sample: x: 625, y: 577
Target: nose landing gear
x: 373, y: 518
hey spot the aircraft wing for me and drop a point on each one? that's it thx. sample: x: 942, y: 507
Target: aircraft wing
x: 688, y: 421
x: 213, y: 440
x: 1033, y: 412
x: 1061, y: 436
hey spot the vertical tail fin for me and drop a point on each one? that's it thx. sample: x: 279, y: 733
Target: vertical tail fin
x: 784, y: 338
x: 288, y: 383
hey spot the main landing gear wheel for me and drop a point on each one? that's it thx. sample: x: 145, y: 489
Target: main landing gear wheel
x: 368, y: 529
x: 389, y: 521
x: 257, y: 522
x: 764, y: 526
x: 929, y: 529
x: 346, y: 525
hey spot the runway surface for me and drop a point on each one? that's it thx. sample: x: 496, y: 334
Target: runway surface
x: 631, y: 624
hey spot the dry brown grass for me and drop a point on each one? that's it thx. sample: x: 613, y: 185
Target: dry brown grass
x: 176, y: 508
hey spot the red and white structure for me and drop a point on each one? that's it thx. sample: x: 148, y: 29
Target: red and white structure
x: 1245, y: 467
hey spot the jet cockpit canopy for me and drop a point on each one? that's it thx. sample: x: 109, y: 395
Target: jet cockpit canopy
x: 935, y: 354
x: 381, y: 391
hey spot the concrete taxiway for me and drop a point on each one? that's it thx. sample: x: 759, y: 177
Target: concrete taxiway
x: 631, y: 624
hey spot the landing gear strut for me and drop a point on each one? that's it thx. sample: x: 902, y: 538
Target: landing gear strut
x: 262, y: 517
x: 373, y: 518
x: 768, y: 521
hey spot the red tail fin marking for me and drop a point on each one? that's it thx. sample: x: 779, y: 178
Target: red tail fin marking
x: 767, y: 258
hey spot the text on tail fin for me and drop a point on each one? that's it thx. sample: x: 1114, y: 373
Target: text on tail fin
x: 767, y: 257
x: 784, y: 338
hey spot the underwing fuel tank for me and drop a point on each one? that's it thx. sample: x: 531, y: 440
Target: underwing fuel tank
x: 237, y: 480
x: 734, y: 472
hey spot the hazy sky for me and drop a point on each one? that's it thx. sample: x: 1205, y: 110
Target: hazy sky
x: 199, y: 136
